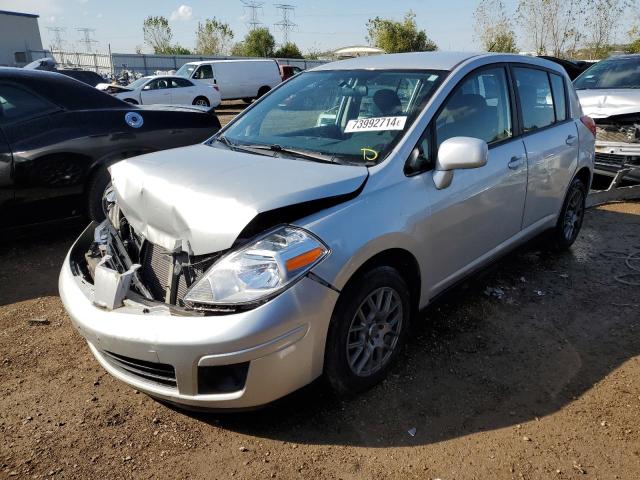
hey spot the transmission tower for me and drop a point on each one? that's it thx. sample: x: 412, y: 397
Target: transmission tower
x: 285, y: 25
x: 57, y: 42
x: 86, y: 38
x: 253, y: 6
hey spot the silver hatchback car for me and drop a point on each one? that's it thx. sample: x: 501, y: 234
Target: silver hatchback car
x: 304, y: 237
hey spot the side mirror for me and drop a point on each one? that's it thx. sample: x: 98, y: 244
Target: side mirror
x: 458, y: 153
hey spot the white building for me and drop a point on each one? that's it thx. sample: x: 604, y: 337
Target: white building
x: 19, y: 33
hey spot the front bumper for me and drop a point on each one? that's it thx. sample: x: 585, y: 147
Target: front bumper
x: 611, y: 157
x: 282, y: 341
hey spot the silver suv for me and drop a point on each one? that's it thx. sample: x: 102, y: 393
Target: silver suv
x: 304, y: 237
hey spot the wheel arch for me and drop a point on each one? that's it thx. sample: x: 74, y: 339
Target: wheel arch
x: 585, y: 176
x: 401, y: 260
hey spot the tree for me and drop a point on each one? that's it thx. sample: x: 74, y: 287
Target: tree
x: 563, y: 19
x: 634, y: 36
x: 288, y: 50
x: 604, y: 17
x: 238, y: 50
x: 213, y: 37
x: 533, y: 20
x: 257, y: 43
x: 493, y: 27
x: 157, y: 34
x: 176, y: 50
x: 395, y: 37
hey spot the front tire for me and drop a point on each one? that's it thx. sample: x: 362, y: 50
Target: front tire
x: 571, y: 217
x: 368, y: 328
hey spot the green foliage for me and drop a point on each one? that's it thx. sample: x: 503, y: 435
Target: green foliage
x: 504, y: 42
x: 157, y: 34
x: 288, y: 50
x: 258, y: 43
x: 213, y: 37
x: 238, y: 50
x: 396, y: 37
x: 176, y: 50
x: 493, y: 27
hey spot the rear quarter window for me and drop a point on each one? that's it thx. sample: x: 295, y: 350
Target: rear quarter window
x: 17, y: 103
x: 558, y: 90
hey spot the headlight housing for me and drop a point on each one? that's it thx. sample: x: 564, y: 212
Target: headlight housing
x: 259, y: 270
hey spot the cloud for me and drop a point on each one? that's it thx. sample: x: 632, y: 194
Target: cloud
x: 183, y: 12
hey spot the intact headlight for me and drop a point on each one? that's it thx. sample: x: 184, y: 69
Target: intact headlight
x: 259, y: 270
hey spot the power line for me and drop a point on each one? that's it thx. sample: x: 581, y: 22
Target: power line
x: 86, y: 38
x: 253, y: 6
x: 285, y: 25
x: 57, y: 42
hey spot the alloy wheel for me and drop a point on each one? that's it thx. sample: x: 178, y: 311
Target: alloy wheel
x: 374, y: 331
x: 573, y: 215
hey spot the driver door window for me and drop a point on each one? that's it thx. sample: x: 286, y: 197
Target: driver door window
x: 479, y: 107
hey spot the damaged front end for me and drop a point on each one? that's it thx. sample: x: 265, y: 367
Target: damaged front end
x: 617, y: 159
x: 120, y: 262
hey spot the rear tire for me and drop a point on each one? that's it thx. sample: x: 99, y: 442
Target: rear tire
x: 263, y: 91
x: 571, y: 216
x: 367, y: 331
x: 201, y: 102
x: 96, y: 188
x: 247, y: 100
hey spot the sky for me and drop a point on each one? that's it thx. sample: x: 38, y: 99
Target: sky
x: 321, y: 25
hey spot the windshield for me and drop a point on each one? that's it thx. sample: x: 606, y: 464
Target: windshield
x: 139, y: 82
x: 186, y: 70
x: 611, y: 73
x: 349, y: 116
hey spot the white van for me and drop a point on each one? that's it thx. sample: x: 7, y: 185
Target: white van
x: 246, y: 79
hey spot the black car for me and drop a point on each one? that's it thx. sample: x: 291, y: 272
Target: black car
x: 58, y: 136
x: 85, y: 76
x: 572, y: 67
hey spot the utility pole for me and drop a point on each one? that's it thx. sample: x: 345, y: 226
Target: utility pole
x: 285, y: 25
x: 57, y: 42
x: 86, y: 38
x: 253, y: 6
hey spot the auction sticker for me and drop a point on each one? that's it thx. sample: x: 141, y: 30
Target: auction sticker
x: 375, y: 124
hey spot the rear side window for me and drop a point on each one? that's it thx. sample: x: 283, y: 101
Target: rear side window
x: 557, y: 87
x: 204, y: 72
x: 17, y: 104
x: 479, y: 108
x: 536, y: 100
x: 180, y: 82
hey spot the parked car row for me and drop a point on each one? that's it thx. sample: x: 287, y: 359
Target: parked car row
x: 302, y: 238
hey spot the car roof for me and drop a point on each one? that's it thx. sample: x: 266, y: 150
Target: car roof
x: 428, y: 61
x: 230, y: 60
x: 422, y: 60
x: 61, y: 89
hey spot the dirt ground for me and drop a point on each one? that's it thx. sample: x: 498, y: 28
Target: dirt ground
x: 530, y: 370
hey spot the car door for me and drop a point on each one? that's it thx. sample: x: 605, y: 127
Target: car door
x: 481, y: 211
x: 182, y: 91
x: 157, y: 91
x: 550, y: 138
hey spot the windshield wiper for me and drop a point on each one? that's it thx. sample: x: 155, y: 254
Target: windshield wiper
x: 234, y: 146
x: 318, y: 157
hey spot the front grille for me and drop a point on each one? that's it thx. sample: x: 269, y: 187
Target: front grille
x: 159, y: 373
x: 617, y: 160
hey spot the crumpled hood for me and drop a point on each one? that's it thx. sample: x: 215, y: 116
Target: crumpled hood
x: 200, y: 198
x: 602, y: 103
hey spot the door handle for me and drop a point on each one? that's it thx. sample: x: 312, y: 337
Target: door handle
x: 571, y: 140
x: 516, y: 162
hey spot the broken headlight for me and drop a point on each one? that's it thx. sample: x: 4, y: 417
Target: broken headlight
x: 260, y: 270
